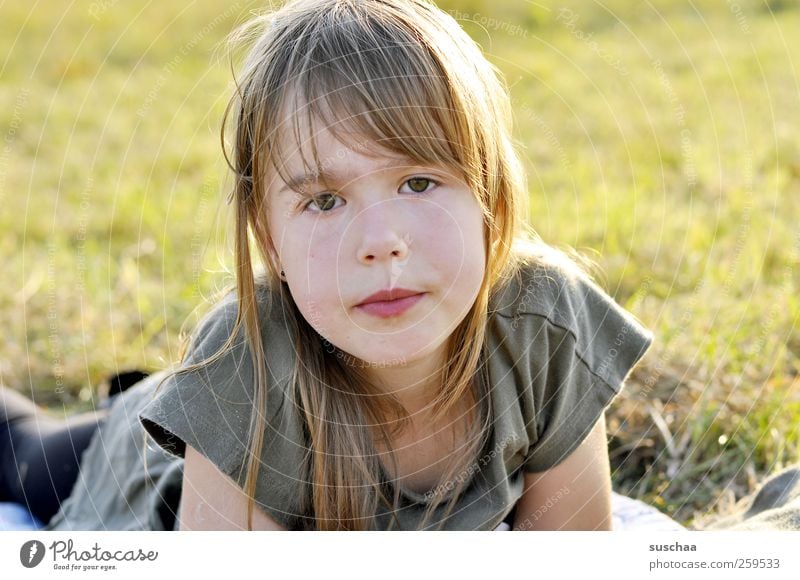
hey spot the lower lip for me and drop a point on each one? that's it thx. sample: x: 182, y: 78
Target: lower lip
x: 389, y: 308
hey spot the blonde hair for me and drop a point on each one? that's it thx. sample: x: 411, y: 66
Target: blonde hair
x: 350, y: 62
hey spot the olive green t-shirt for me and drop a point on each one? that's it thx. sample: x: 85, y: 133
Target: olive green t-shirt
x: 559, y: 349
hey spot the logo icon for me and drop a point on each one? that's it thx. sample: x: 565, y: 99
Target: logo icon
x: 31, y: 553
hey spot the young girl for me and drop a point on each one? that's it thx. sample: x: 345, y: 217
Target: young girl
x: 400, y: 350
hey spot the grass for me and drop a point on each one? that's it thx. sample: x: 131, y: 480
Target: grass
x: 659, y: 139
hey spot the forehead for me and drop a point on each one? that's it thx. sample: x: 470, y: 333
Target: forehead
x: 320, y: 154
x: 320, y: 139
x: 323, y: 147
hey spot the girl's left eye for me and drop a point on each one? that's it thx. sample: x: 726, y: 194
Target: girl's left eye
x: 420, y: 184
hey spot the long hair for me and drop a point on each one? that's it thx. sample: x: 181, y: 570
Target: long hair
x: 403, y: 74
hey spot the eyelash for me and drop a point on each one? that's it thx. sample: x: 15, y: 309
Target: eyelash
x: 305, y: 205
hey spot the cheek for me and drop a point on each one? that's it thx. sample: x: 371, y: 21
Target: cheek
x: 309, y: 251
x: 318, y: 301
x: 315, y: 313
x: 454, y: 239
x: 311, y: 262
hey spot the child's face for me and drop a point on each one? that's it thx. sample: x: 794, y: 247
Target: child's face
x: 375, y: 230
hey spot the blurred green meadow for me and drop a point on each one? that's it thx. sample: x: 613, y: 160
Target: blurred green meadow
x: 660, y: 139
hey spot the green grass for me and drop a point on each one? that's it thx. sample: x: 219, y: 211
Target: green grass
x: 667, y: 151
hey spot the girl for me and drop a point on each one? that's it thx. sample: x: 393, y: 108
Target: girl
x: 401, y: 351
x: 405, y: 360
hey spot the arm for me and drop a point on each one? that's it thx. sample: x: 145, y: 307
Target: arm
x: 210, y: 500
x: 573, y: 495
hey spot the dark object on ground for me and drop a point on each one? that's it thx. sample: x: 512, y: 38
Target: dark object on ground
x: 122, y: 381
x: 774, y: 506
x: 39, y: 454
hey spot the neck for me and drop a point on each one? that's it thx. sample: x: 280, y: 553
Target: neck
x: 414, y: 384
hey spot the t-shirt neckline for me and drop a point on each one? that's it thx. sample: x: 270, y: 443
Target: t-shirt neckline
x: 427, y: 497
x: 422, y: 498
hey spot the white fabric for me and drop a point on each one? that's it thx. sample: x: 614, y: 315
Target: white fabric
x: 633, y: 514
x: 630, y: 514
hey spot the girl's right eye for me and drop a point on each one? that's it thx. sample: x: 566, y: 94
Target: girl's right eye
x: 316, y: 199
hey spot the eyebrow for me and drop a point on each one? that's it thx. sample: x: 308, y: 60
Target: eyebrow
x: 295, y: 182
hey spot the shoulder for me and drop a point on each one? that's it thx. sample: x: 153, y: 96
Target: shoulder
x: 208, y: 399
x: 215, y: 409
x: 216, y: 327
x: 550, y: 295
x: 545, y: 284
x: 536, y: 286
x: 560, y: 349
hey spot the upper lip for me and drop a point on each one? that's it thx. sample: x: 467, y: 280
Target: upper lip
x: 389, y: 294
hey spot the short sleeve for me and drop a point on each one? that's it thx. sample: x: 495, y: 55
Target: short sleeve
x: 211, y: 409
x: 208, y: 408
x: 585, y: 347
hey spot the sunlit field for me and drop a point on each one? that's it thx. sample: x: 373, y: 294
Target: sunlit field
x: 661, y: 141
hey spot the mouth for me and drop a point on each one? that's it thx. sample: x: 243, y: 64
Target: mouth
x: 389, y: 308
x: 388, y: 295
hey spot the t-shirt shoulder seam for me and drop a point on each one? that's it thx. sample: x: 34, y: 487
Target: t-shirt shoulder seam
x: 578, y: 354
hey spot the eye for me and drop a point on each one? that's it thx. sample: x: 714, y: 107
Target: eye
x: 420, y: 184
x: 324, y: 202
x: 321, y: 202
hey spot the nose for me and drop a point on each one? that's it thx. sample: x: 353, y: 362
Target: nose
x: 381, y: 239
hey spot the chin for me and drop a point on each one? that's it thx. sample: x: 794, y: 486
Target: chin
x: 411, y: 351
x: 373, y: 359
